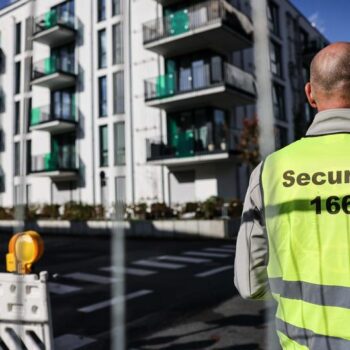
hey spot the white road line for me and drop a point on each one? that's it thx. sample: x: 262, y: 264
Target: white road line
x: 214, y: 271
x: 110, y: 302
x: 128, y: 271
x: 58, y: 288
x: 219, y: 250
x: 208, y: 255
x: 183, y: 259
x: 71, y: 342
x: 89, y: 277
x: 161, y: 265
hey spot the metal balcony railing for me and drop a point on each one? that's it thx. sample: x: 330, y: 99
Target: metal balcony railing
x: 208, y: 75
x: 52, y: 18
x: 45, y: 114
x: 194, y: 17
x: 188, y: 146
x: 53, y: 64
x: 54, y: 162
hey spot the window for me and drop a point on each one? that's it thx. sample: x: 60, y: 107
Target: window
x: 17, y: 118
x: 278, y: 101
x: 102, y: 49
x: 118, y: 92
x: 18, y: 37
x: 17, y: 160
x: 273, y: 18
x: 103, y: 145
x: 119, y: 143
x: 276, y: 59
x: 29, y: 112
x: 18, y: 77
x: 29, y: 156
x: 116, y: 8
x: 102, y: 95
x: 28, y: 34
x: 281, y: 137
x: 101, y: 10
x: 120, y: 189
x: 117, y: 44
x: 62, y: 104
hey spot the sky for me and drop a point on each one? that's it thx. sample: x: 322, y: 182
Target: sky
x: 331, y: 17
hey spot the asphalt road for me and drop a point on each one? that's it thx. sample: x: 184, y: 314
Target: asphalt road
x: 179, y: 293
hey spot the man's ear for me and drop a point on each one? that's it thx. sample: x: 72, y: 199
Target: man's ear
x: 309, y: 95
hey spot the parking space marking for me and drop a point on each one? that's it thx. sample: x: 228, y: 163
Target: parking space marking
x: 214, y: 271
x: 161, y: 265
x: 58, y: 288
x: 183, y: 259
x: 207, y: 255
x: 111, y: 302
x: 128, y: 271
x: 89, y: 277
x: 72, y: 342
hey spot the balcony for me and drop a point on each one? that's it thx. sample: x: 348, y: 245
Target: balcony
x: 166, y: 3
x: 311, y: 49
x: 46, y: 118
x: 54, y: 73
x: 54, y: 29
x: 210, y: 84
x: 61, y: 167
x: 189, y: 149
x: 213, y: 24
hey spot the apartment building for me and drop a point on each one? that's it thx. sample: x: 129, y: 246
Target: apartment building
x: 143, y: 101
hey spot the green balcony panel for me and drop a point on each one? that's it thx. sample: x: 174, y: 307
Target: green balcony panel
x: 50, y: 65
x: 179, y: 22
x: 50, y: 19
x: 165, y: 85
x: 184, y: 142
x: 35, y: 116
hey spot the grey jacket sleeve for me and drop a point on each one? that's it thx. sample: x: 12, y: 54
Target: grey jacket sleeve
x: 252, y: 246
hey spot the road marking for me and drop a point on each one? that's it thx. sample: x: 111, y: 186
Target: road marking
x: 110, y: 302
x: 128, y: 271
x: 58, y: 288
x: 183, y: 259
x: 219, y: 250
x: 158, y: 264
x: 71, y: 342
x: 214, y: 271
x: 88, y: 277
x: 208, y: 255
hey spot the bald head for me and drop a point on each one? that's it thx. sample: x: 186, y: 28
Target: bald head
x: 330, y: 77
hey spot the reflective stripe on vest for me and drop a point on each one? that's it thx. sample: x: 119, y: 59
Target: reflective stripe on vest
x: 306, y: 193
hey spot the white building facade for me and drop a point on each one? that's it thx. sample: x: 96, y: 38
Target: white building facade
x: 143, y: 101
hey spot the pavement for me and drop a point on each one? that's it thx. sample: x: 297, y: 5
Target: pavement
x: 179, y: 294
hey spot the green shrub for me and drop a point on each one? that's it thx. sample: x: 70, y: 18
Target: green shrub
x: 211, y: 208
x: 74, y: 211
x: 161, y: 211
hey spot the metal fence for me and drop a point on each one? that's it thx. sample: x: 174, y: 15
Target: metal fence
x: 53, y: 64
x: 49, y: 113
x: 52, y: 18
x: 53, y: 162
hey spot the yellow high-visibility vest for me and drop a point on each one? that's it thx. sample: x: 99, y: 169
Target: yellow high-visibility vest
x: 306, y: 195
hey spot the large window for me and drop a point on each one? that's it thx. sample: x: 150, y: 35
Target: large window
x: 28, y: 156
x: 18, y: 77
x: 103, y: 145
x: 118, y: 92
x: 101, y: 10
x: 273, y: 18
x: 278, y: 101
x: 117, y: 44
x: 276, y: 59
x: 62, y: 104
x: 102, y: 96
x: 116, y: 7
x: 17, y: 118
x: 119, y: 143
x: 120, y: 189
x: 18, y: 38
x: 102, y: 49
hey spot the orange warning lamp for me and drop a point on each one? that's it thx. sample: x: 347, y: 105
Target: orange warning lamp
x: 25, y: 249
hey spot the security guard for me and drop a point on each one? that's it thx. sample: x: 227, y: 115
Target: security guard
x: 294, y: 240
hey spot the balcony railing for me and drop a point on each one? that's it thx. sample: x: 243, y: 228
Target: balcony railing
x: 209, y: 75
x: 51, y: 19
x: 195, y: 17
x: 53, y: 64
x: 40, y: 115
x: 189, y: 146
x: 54, y: 162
